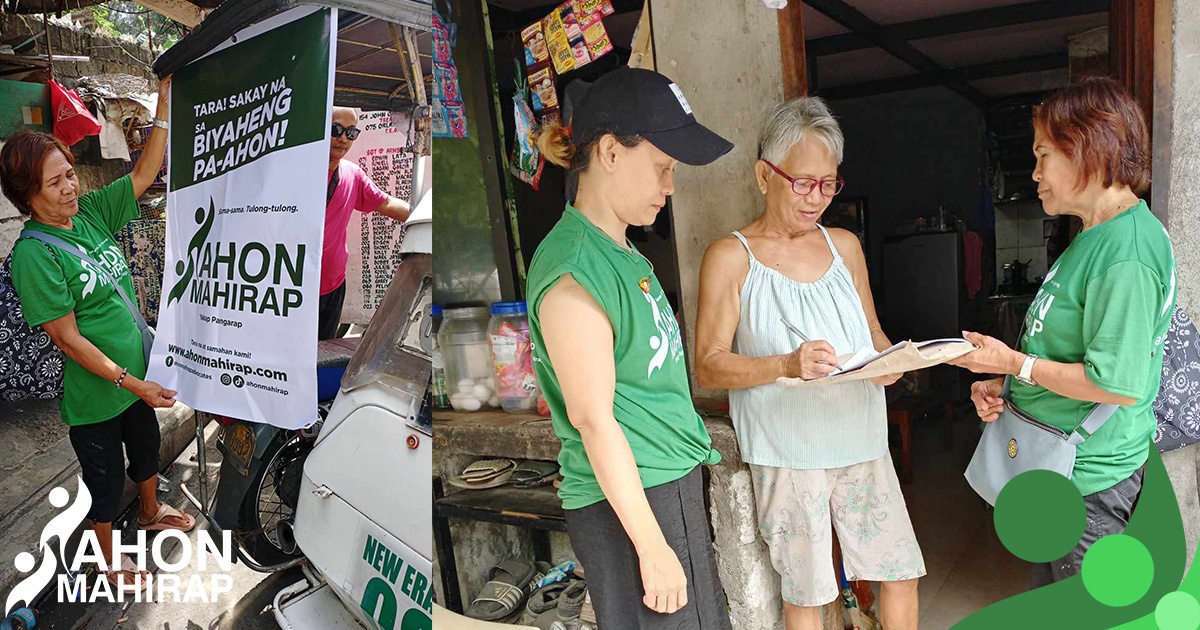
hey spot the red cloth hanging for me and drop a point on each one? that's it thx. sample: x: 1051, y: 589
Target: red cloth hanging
x: 72, y: 120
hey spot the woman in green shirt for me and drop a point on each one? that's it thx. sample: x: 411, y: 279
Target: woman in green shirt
x: 105, y: 401
x: 609, y: 358
x: 1094, y: 333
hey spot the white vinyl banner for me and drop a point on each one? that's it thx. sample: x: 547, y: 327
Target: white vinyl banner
x: 249, y: 154
x: 373, y: 239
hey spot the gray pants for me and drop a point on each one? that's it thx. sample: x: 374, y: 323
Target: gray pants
x: 1108, y: 512
x: 613, y: 572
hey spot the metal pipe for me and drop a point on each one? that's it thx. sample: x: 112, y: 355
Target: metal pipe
x: 237, y: 549
x: 285, y: 594
x: 49, y: 49
x: 368, y: 74
x: 201, y: 460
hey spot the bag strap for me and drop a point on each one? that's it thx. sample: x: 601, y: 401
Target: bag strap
x: 1092, y: 423
x: 1086, y: 429
x: 50, y: 239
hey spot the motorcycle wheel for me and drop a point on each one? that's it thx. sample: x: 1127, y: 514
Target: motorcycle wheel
x: 263, y: 506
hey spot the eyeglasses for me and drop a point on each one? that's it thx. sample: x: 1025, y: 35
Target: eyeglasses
x: 804, y: 185
x: 351, y: 132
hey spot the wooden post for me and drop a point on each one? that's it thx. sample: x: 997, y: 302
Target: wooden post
x: 791, y: 50
x: 404, y: 65
x: 49, y: 49
x: 1131, y: 51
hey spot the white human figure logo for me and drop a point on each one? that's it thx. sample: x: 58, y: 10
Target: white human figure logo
x: 660, y: 343
x: 61, y: 526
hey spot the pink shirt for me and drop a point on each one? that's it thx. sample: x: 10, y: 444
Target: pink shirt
x: 355, y: 191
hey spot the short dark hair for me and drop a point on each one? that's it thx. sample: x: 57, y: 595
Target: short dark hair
x: 1101, y: 127
x: 21, y: 162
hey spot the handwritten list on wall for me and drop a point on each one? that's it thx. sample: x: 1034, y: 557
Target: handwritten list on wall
x: 373, y: 239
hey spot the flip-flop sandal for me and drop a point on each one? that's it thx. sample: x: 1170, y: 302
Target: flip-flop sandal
x: 509, y: 585
x: 486, y: 469
x: 130, y: 572
x: 165, y: 511
x: 532, y: 473
x: 494, y: 482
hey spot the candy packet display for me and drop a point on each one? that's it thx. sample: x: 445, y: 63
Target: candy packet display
x: 579, y: 49
x: 542, y: 84
x: 596, y: 37
x: 586, y: 9
x: 527, y: 162
x: 535, y: 44
x: 557, y: 43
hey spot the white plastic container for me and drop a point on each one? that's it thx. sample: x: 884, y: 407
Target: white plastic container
x: 467, y: 359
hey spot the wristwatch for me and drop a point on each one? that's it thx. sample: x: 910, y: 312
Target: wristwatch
x: 1026, y: 375
x: 160, y: 123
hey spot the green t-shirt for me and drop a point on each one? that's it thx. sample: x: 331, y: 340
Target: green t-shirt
x: 652, y: 401
x: 50, y: 285
x: 1106, y: 303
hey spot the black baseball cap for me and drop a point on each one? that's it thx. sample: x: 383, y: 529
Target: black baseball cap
x: 634, y: 101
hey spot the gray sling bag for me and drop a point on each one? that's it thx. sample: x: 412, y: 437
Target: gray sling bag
x: 147, y: 331
x: 1017, y: 442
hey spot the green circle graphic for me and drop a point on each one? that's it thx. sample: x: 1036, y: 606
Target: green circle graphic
x: 1177, y: 611
x: 1117, y: 570
x: 1040, y: 516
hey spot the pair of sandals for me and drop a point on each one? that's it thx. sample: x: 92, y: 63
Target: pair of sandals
x: 493, y: 473
x: 125, y: 575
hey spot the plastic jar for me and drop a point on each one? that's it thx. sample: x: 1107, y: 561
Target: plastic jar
x: 467, y: 357
x: 441, y: 399
x: 512, y: 357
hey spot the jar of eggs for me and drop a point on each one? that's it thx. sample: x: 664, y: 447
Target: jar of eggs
x: 467, y: 358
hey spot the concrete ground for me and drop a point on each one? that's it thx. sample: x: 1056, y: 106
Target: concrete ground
x: 39, y: 457
x: 967, y: 566
x: 247, y: 606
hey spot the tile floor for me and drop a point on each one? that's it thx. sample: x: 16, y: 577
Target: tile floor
x: 968, y: 567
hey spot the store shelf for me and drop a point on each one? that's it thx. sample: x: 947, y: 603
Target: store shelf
x: 537, y: 508
x: 495, y: 418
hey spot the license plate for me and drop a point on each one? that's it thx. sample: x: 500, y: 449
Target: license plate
x: 239, y: 445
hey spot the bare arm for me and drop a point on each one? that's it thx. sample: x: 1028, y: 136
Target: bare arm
x: 856, y: 262
x: 65, y: 334
x: 1069, y: 380
x: 717, y: 365
x: 151, y: 160
x: 394, y: 208
x: 579, y: 342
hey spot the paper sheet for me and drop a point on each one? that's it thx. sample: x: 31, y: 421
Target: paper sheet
x: 906, y: 356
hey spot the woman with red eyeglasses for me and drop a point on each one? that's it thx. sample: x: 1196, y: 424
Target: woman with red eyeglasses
x: 784, y: 297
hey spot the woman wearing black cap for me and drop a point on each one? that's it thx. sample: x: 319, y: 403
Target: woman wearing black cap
x: 609, y: 358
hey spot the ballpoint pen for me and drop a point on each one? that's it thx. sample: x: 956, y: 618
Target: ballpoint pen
x: 796, y: 331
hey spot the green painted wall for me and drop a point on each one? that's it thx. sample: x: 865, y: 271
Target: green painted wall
x: 17, y: 95
x: 466, y: 183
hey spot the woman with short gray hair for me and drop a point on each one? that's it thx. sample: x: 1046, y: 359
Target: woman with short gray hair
x: 784, y: 297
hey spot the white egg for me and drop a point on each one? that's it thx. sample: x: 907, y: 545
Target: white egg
x: 481, y: 391
x: 493, y: 401
x: 466, y: 388
x: 470, y: 404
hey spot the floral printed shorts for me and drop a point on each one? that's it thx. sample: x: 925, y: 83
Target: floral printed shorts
x: 864, y: 503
